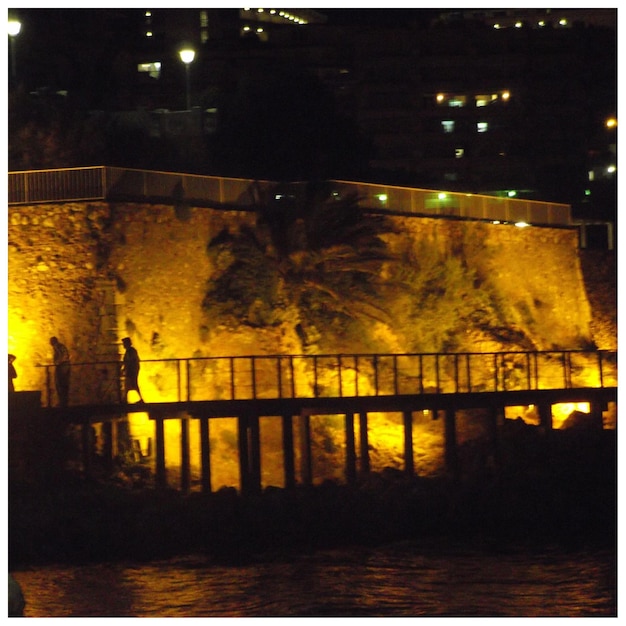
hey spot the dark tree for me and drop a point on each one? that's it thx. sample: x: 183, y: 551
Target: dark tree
x: 284, y: 124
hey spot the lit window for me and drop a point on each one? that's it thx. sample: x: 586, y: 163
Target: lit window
x: 505, y: 95
x: 442, y: 196
x: 204, y: 36
x: 518, y: 24
x: 542, y: 23
x: 440, y: 98
x: 148, y: 13
x: 457, y: 101
x: 482, y: 127
x: 611, y: 122
x: 496, y: 26
x: 563, y: 22
x: 152, y: 69
x: 511, y: 193
x: 447, y: 126
x: 204, y: 19
x: 484, y: 100
x: 591, y: 175
x: 382, y: 198
x: 246, y: 29
x: 611, y: 169
x: 458, y: 153
x: 149, y: 33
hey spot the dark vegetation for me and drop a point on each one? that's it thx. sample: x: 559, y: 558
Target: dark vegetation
x: 558, y: 489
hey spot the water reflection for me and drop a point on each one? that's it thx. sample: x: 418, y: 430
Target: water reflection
x: 399, y: 580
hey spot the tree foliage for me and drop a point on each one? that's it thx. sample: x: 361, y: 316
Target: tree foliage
x: 313, y: 257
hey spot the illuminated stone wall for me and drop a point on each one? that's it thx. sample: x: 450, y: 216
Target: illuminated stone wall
x: 72, y: 264
x: 65, y: 260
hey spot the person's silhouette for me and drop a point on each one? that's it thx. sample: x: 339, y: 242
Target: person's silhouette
x: 12, y: 373
x: 130, y: 369
x: 61, y: 371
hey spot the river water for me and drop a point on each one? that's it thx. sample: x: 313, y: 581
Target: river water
x: 403, y: 579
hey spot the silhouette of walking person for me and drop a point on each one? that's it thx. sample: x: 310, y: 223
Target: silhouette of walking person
x: 130, y: 369
x: 61, y: 371
x: 12, y: 373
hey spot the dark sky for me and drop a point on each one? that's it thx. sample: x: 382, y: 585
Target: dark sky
x: 378, y: 16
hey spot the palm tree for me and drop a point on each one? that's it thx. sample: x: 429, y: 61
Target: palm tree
x: 311, y: 258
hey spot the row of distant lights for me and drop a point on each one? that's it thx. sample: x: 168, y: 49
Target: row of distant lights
x: 541, y: 24
x: 283, y: 14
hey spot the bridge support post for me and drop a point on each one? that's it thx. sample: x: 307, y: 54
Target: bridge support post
x: 254, y: 432
x: 205, y: 455
x: 161, y: 476
x: 288, y: 455
x: 185, y: 471
x: 305, y: 438
x: 451, y: 455
x: 364, y: 444
x: 87, y: 445
x: 350, y: 450
x: 596, y: 414
x: 545, y: 417
x: 494, y: 414
x: 409, y: 465
x: 109, y: 435
x: 249, y: 453
x: 242, y: 438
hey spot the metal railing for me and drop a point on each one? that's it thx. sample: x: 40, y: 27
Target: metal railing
x: 113, y: 183
x: 338, y: 375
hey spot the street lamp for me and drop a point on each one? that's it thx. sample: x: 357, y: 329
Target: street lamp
x: 187, y: 56
x: 14, y: 28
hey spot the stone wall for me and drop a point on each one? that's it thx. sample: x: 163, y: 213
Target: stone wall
x: 70, y: 263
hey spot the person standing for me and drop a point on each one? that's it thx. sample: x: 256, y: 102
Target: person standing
x: 12, y: 373
x: 130, y: 369
x: 61, y: 370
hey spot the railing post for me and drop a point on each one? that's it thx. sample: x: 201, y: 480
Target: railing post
x: 468, y: 371
x: 188, y: 368
x: 600, y: 372
x: 356, y: 375
x: 253, y: 376
x: 395, y: 374
x: 280, y: 377
x: 375, y: 364
x: 315, y: 376
x: 421, y: 372
x: 232, y: 377
x: 339, y: 375
x: 292, y: 375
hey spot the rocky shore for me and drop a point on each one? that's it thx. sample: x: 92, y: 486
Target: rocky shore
x: 561, y: 490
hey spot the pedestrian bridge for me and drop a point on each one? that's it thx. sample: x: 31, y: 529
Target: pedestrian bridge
x: 287, y: 388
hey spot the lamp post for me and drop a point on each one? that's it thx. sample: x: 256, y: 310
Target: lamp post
x: 187, y: 56
x: 14, y: 28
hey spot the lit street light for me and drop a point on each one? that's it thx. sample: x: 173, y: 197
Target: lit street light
x: 187, y: 56
x: 14, y: 28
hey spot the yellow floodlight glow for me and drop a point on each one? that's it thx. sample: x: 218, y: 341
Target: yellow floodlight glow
x: 506, y: 95
x: 611, y: 123
x: 442, y: 196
